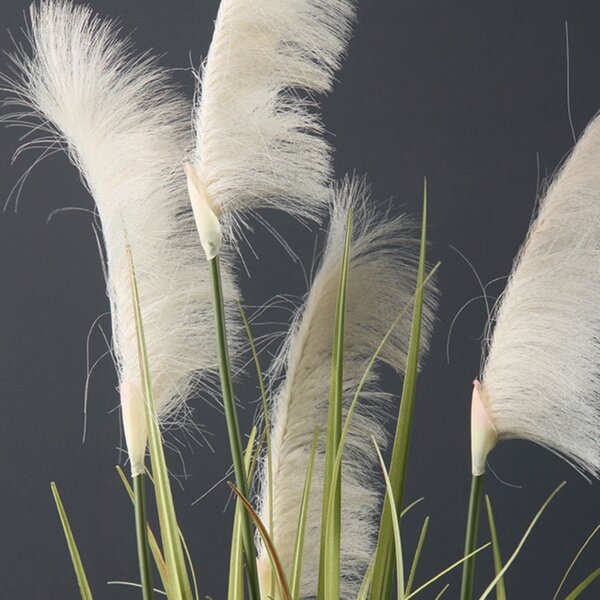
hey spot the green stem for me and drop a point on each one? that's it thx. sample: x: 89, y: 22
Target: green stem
x: 468, y: 573
x: 233, y: 429
x: 141, y: 531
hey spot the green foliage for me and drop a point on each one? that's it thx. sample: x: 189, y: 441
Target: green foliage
x: 296, y: 572
x: 178, y: 582
x: 329, y: 571
x: 500, y: 589
x: 284, y: 588
x: 386, y: 569
x: 236, y: 559
x: 82, y: 582
x: 383, y: 571
x: 514, y: 555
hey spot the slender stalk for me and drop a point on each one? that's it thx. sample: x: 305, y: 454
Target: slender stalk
x: 141, y: 532
x: 466, y: 588
x: 233, y: 429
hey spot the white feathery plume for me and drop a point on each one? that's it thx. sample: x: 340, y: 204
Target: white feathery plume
x: 541, y: 379
x: 259, y: 139
x: 381, y: 281
x: 125, y: 127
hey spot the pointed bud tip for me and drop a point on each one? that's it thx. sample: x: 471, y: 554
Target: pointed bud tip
x: 483, y: 433
x: 134, y: 425
x: 205, y: 215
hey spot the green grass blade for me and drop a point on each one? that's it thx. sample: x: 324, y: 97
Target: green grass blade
x: 267, y: 421
x: 395, y: 525
x: 443, y: 591
x: 579, y: 552
x: 415, y: 562
x: 82, y: 582
x: 411, y: 506
x: 329, y: 568
x: 235, y: 589
x: 365, y: 586
x: 265, y: 407
x: 188, y: 556
x: 447, y: 570
x: 381, y: 587
x: 514, y: 555
x: 284, y: 587
x: 299, y: 543
x: 179, y: 584
x: 584, y: 584
x: 159, y: 561
x: 356, y: 398
x: 472, y: 528
x: 233, y: 430
x: 500, y: 589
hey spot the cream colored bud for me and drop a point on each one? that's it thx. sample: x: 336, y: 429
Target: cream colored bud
x: 134, y: 424
x: 483, y: 433
x: 209, y: 228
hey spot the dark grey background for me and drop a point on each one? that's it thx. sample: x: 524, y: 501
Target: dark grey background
x: 473, y: 95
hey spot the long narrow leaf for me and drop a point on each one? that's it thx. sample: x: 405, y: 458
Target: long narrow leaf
x: 514, y: 555
x: 179, y: 584
x: 265, y: 407
x: 500, y: 589
x: 383, y: 573
x: 152, y: 542
x: 267, y: 423
x: 236, y: 558
x: 447, y: 570
x: 329, y: 571
x: 365, y: 586
x: 299, y: 544
x: 356, y: 398
x: 415, y: 562
x: 284, y: 588
x: 395, y: 526
x: 584, y: 584
x: 579, y: 552
x: 82, y: 582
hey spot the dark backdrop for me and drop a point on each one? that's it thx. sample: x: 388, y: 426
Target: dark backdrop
x: 472, y: 95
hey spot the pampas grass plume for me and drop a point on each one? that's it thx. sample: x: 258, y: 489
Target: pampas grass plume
x: 541, y: 377
x: 259, y: 139
x: 125, y: 128
x: 381, y: 281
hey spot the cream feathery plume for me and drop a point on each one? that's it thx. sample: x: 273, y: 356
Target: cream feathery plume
x: 541, y: 378
x: 259, y: 139
x: 381, y: 281
x: 125, y: 127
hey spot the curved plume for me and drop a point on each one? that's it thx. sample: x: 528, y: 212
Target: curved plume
x: 125, y: 127
x: 381, y: 281
x: 258, y: 138
x: 541, y: 380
